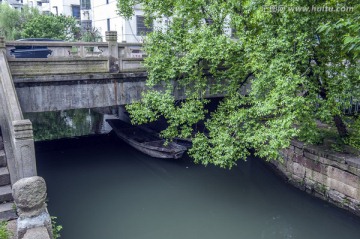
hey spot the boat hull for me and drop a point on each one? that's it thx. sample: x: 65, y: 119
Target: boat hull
x: 146, y: 140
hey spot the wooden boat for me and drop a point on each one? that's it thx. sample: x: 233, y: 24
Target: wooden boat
x: 146, y: 140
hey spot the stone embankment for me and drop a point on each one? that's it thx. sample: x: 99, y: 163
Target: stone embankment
x: 331, y: 176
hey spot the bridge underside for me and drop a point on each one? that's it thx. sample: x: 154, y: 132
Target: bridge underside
x: 62, y: 92
x: 78, y: 91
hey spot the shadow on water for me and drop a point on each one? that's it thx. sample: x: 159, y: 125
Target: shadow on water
x: 99, y: 187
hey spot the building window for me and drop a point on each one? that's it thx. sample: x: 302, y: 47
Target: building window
x: 85, y: 4
x: 107, y: 1
x: 39, y: 3
x: 108, y: 24
x: 141, y: 28
x: 75, y: 11
x: 86, y: 25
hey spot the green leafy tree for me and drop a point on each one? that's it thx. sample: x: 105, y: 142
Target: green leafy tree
x: 92, y: 35
x: 51, y: 26
x: 300, y: 59
x: 29, y: 23
x: 12, y: 20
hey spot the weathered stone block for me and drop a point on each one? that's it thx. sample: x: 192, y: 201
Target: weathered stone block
x: 354, y: 170
x: 343, y: 176
x: 24, y: 224
x: 2, y: 158
x: 297, y: 143
x: 4, y: 176
x: 342, y: 188
x: 314, y: 165
x: 353, y: 161
x: 30, y: 195
x: 299, y: 159
x: 336, y: 196
x: 299, y: 151
x: 37, y: 233
x: 1, y: 143
x: 319, y: 178
x: 298, y: 170
x: 311, y: 156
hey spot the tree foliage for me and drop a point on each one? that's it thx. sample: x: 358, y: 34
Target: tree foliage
x: 29, y: 23
x: 51, y: 26
x: 301, y: 60
x: 12, y: 20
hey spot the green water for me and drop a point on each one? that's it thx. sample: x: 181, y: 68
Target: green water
x: 100, y: 188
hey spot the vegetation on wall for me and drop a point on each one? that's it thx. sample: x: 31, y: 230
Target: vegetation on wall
x: 4, y: 232
x: 301, y: 58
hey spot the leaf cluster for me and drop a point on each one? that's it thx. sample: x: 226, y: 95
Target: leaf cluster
x: 302, y: 67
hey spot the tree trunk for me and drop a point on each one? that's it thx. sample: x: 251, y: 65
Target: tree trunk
x: 341, y: 127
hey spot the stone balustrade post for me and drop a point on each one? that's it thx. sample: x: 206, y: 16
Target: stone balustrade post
x: 2, y: 44
x: 24, y: 149
x: 34, y: 221
x: 114, y: 63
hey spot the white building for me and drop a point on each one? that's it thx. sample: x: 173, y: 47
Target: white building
x: 65, y: 7
x: 16, y: 4
x: 57, y: 7
x: 104, y: 17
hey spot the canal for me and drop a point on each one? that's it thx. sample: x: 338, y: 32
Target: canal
x: 99, y: 187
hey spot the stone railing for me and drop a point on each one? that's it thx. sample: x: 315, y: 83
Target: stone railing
x: 17, y: 131
x: 34, y: 221
x: 78, y: 57
x: 331, y: 176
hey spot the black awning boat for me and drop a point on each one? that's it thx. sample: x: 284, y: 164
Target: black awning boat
x: 146, y: 140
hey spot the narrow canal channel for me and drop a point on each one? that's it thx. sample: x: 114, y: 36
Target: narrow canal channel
x: 99, y: 187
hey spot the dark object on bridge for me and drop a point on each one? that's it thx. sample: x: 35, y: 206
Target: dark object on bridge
x: 28, y: 51
x: 146, y: 140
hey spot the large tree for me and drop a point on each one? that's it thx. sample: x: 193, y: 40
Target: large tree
x: 30, y: 23
x: 13, y: 20
x: 51, y: 26
x: 301, y: 58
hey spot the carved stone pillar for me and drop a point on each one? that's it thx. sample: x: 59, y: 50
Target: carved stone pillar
x: 24, y: 148
x: 114, y: 63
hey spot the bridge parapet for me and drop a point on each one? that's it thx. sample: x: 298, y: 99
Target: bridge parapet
x: 17, y: 131
x: 78, y: 57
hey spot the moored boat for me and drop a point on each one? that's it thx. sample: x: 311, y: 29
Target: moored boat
x: 146, y: 140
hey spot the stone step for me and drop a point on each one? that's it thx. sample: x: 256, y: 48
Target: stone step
x: 2, y: 158
x: 7, y: 211
x: 4, y: 176
x: 5, y: 193
x: 1, y: 143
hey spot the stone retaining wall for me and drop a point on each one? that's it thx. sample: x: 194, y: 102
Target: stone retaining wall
x: 331, y: 176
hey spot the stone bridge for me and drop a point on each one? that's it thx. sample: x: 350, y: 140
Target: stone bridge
x: 76, y: 75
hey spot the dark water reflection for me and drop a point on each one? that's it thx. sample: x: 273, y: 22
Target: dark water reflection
x: 101, y: 188
x: 68, y: 123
